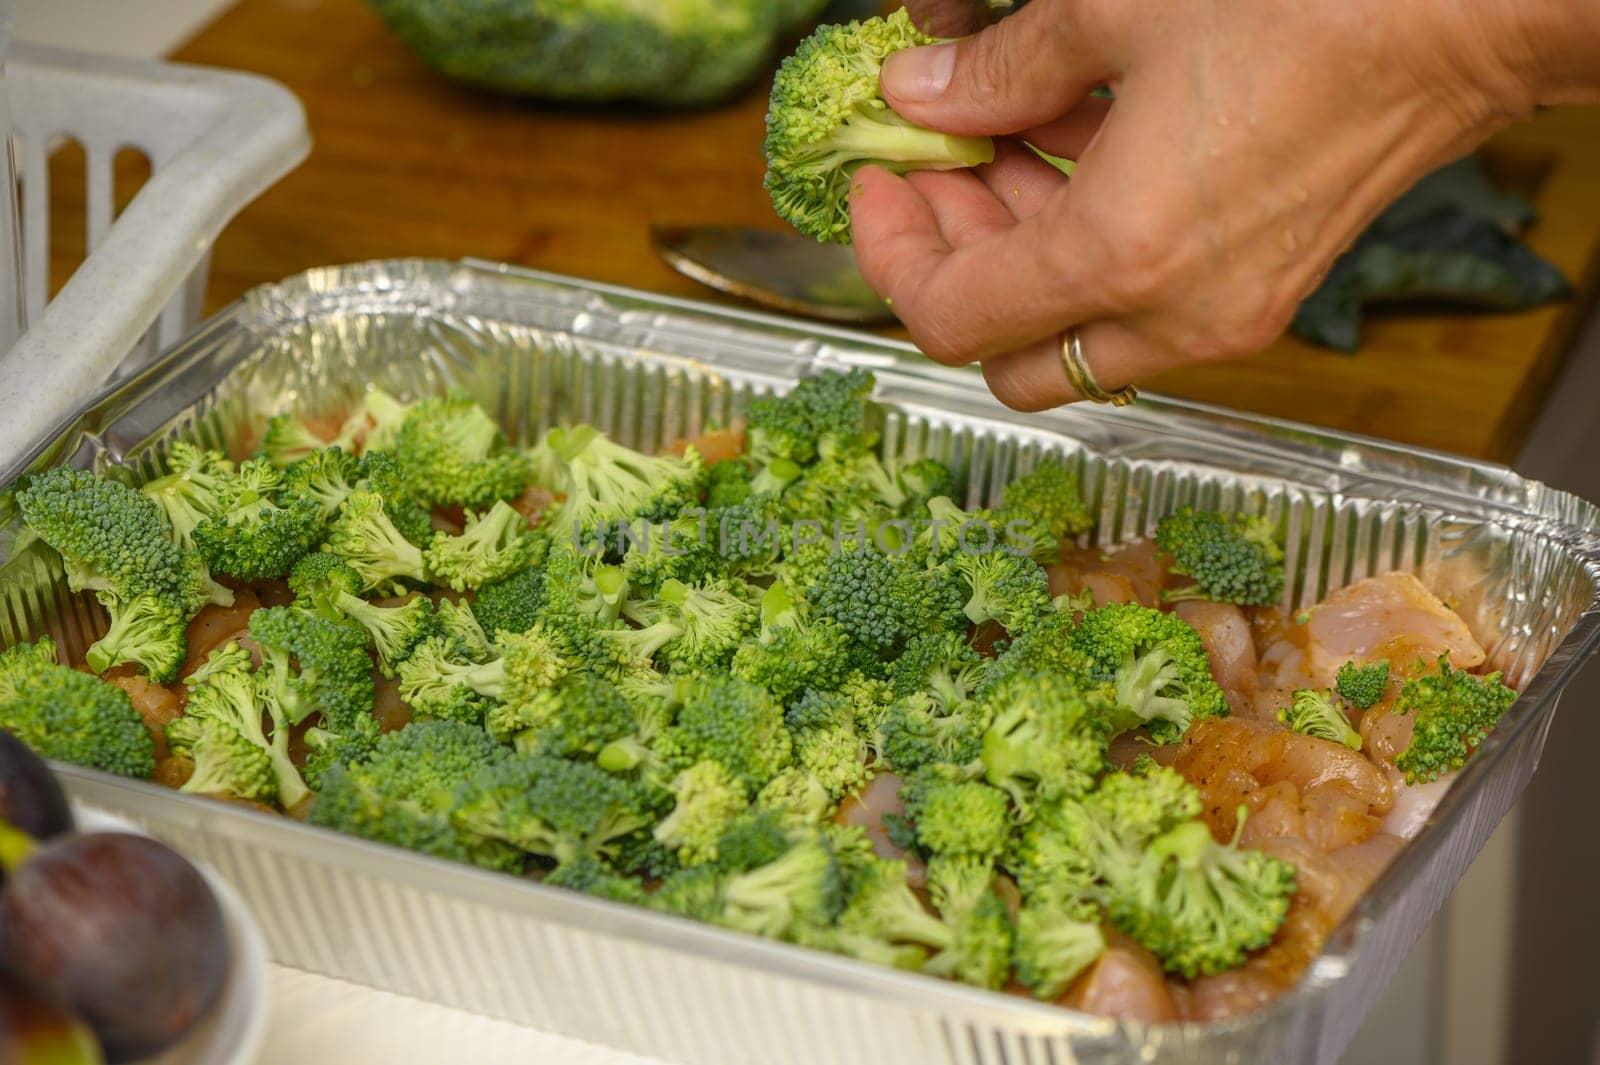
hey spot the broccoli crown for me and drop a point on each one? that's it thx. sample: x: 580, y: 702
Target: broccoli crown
x: 734, y: 723
x: 1049, y: 498
x: 706, y: 801
x: 1157, y: 663
x: 311, y: 665
x: 192, y: 489
x: 727, y: 484
x: 592, y: 876
x: 788, y: 660
x: 252, y: 536
x: 1004, y: 588
x: 1045, y: 740
x: 1077, y: 844
x: 394, y: 631
x: 581, y: 715
x: 606, y: 483
x: 549, y: 807
x: 1231, y: 558
x: 1454, y: 711
x: 884, y: 909
x: 942, y: 664
x: 954, y: 815
x: 1200, y: 905
x: 438, y: 681
x: 364, y: 536
x: 1313, y: 712
x: 225, y: 693
x: 380, y: 473
x: 115, y: 542
x: 824, y: 414
x: 712, y: 620
x: 511, y: 604
x: 453, y: 452
x: 70, y: 716
x: 827, y: 118
x: 1055, y: 941
x: 685, y: 53
x: 981, y: 933
x: 405, y: 791
x: 494, y: 545
x: 326, y: 748
x: 319, y: 579
x: 921, y: 481
x: 458, y: 624
x: 1363, y: 686
x: 684, y: 549
x: 883, y: 601
x: 225, y: 761
x: 803, y: 888
x: 917, y: 730
x: 323, y: 479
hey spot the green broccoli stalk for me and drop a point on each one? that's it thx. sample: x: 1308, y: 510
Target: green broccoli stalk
x: 70, y: 716
x: 711, y: 622
x: 804, y: 888
x: 1055, y: 941
x: 494, y: 545
x: 1455, y: 712
x: 979, y: 946
x: 363, y: 535
x: 1157, y: 665
x: 436, y: 683
x: 1007, y: 589
x: 326, y: 584
x: 1231, y: 558
x: 1363, y: 687
x: 252, y: 536
x: 147, y: 630
x: 827, y: 118
x: 606, y: 483
x: 1200, y: 905
x: 884, y: 908
x: 1313, y: 712
x: 192, y: 489
x: 228, y: 699
x: 323, y: 479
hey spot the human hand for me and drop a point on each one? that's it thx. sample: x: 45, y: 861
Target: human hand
x: 1250, y: 142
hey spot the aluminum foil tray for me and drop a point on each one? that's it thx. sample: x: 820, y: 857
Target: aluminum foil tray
x: 1520, y: 561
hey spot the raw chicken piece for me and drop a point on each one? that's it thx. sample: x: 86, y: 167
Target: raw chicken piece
x: 1125, y: 983
x: 1127, y: 573
x: 1389, y: 616
x: 1413, y: 803
x: 216, y: 625
x: 1234, y: 761
x: 1226, y: 633
x: 157, y: 705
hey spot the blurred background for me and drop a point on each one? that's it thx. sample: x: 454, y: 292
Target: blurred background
x: 410, y: 162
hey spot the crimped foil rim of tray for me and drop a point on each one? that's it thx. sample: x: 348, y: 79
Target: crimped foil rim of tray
x: 1329, y: 461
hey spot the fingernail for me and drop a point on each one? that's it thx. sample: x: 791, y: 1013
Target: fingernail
x: 920, y: 73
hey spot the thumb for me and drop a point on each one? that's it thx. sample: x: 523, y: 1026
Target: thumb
x: 1019, y: 73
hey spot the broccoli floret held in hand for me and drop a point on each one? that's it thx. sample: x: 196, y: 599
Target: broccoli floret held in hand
x: 827, y: 118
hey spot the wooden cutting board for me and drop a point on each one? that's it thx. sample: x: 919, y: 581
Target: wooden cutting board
x: 408, y: 164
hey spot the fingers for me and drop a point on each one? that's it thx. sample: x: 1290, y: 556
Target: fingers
x: 995, y: 294
x: 1021, y: 72
x: 945, y: 18
x: 1033, y: 379
x: 965, y: 208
